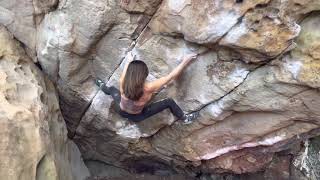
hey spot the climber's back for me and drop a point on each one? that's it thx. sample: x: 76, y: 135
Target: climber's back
x: 135, y: 92
x: 135, y: 107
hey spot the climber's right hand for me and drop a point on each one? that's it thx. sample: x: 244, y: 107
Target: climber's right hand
x: 189, y: 57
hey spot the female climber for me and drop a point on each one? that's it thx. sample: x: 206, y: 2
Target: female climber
x: 131, y: 101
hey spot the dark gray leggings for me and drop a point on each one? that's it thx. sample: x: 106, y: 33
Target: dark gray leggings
x: 147, y: 111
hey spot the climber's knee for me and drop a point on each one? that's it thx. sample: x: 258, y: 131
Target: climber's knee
x: 169, y: 100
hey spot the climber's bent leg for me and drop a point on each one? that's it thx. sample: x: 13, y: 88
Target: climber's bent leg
x: 112, y: 91
x: 161, y: 105
x: 157, y: 107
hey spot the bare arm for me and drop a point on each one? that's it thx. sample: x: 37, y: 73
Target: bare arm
x: 156, y: 85
x: 123, y: 74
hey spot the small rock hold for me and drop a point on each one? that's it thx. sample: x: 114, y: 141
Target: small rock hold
x: 251, y: 159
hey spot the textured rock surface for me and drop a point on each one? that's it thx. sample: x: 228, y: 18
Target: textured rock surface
x: 308, y: 160
x: 304, y: 61
x: 258, y: 30
x: 148, y: 7
x: 34, y: 142
x: 204, y: 22
x: 74, y: 49
x: 256, y: 84
x: 106, y: 172
x: 22, y: 17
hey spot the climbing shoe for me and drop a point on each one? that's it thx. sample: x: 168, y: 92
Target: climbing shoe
x: 99, y: 82
x: 103, y: 86
x: 189, y: 118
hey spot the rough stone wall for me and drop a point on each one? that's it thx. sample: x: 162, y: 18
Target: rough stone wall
x: 256, y: 85
x: 34, y: 142
x: 308, y: 159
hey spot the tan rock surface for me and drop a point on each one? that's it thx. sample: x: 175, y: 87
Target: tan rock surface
x: 203, y: 22
x: 303, y: 63
x: 34, y: 142
x: 73, y: 49
x: 22, y: 17
x: 139, y: 6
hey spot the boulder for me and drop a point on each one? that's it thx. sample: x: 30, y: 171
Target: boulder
x: 255, y: 83
x: 202, y: 22
x: 259, y: 30
x: 242, y: 106
x: 22, y: 17
x: 73, y: 50
x: 34, y: 142
x: 302, y: 64
x: 261, y: 35
x: 267, y: 32
x: 148, y: 7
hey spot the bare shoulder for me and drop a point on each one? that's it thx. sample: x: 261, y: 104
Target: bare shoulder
x: 148, y: 87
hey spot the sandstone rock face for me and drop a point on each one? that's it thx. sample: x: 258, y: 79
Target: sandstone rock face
x: 34, y: 142
x: 202, y: 22
x: 148, y: 7
x: 73, y: 49
x: 22, y: 17
x: 258, y: 30
x: 255, y: 84
x: 308, y: 159
x: 303, y: 62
